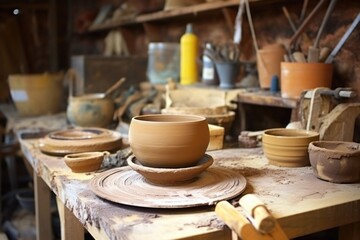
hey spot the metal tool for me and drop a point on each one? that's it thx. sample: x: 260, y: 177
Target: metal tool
x: 334, y: 122
x: 337, y: 48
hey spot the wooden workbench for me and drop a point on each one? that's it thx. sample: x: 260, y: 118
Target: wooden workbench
x: 302, y: 203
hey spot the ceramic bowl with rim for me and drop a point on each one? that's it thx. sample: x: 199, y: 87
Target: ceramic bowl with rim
x: 288, y: 147
x: 170, y: 176
x: 168, y: 140
x: 85, y: 161
x: 335, y: 161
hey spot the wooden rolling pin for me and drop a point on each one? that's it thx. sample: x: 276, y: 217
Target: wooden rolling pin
x: 259, y: 215
x: 237, y: 222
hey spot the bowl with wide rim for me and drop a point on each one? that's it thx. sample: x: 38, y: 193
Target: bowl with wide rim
x: 170, y: 176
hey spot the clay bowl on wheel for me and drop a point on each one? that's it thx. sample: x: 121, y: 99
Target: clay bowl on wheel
x: 172, y: 141
x: 335, y: 161
x: 288, y: 147
x: 170, y: 176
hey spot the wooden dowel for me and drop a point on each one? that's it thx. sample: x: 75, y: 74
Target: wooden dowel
x: 306, y: 22
x: 260, y: 217
x: 237, y: 222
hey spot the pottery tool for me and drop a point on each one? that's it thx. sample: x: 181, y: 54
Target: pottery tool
x: 288, y: 17
x: 324, y: 53
x: 245, y: 228
x: 337, y: 48
x: 305, y: 23
x: 251, y: 25
x: 238, y: 23
x: 299, y: 57
x: 114, y: 87
x: 303, y: 10
x: 258, y: 214
x: 314, y: 51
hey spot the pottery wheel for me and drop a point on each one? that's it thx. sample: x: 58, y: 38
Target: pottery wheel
x: 124, y: 185
x: 80, y: 140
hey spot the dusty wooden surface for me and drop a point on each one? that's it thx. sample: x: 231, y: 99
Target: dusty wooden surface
x: 302, y: 203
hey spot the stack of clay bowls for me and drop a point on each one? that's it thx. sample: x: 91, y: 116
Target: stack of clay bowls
x: 288, y: 147
x: 169, y: 148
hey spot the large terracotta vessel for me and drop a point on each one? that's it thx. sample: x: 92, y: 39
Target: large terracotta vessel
x: 162, y: 140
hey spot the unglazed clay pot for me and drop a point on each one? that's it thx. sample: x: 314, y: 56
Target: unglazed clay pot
x: 90, y: 110
x: 162, y: 140
x: 85, y: 162
x: 288, y: 147
x: 335, y: 161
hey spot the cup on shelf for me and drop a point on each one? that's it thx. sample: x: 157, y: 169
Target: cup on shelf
x: 227, y: 72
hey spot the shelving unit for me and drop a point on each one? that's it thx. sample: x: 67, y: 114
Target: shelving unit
x: 152, y: 25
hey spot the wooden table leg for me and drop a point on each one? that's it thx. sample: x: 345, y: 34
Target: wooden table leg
x: 71, y: 228
x: 42, y: 209
x: 349, y: 231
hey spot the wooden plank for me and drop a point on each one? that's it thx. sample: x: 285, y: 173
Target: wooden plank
x: 266, y: 98
x: 349, y: 231
x: 230, y: 16
x: 184, y: 11
x: 71, y: 228
x: 42, y: 209
x: 152, y: 32
x: 314, y: 206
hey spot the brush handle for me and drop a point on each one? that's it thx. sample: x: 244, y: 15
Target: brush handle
x: 306, y: 22
x: 343, y: 39
x: 325, y: 20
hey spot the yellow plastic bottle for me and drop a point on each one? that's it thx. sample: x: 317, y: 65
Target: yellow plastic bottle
x: 189, y: 50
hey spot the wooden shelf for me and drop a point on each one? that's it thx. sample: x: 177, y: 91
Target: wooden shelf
x: 173, y: 13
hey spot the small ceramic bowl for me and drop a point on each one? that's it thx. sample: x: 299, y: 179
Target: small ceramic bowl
x: 170, y: 176
x: 169, y: 140
x: 335, y: 161
x: 85, y: 162
x: 288, y: 147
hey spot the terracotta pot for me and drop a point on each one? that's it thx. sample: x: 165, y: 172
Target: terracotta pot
x: 288, y: 147
x: 162, y: 140
x: 90, y: 110
x: 85, y: 161
x: 298, y: 77
x: 335, y: 161
x: 268, y: 63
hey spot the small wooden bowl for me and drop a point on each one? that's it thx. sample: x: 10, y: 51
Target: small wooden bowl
x: 170, y: 176
x: 85, y: 162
